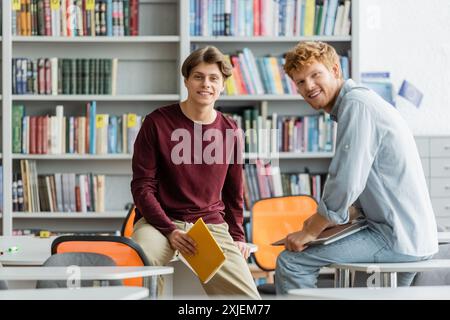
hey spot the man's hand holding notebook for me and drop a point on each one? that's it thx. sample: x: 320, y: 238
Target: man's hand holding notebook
x: 333, y: 233
x: 208, y: 257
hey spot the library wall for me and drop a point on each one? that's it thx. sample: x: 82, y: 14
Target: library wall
x: 410, y: 39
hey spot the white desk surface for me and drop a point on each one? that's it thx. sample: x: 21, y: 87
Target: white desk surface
x: 84, y: 293
x: 400, y: 293
x: 32, y: 251
x: 21, y: 259
x: 444, y: 237
x: 396, y: 267
x: 85, y: 273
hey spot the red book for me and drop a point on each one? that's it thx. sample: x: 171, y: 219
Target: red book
x: 77, y: 199
x: 84, y: 13
x: 39, y: 135
x: 134, y: 17
x: 33, y: 135
x: 75, y: 135
x: 48, y: 76
x: 256, y: 17
x: 41, y: 76
x: 286, y: 135
x: 45, y: 121
x: 68, y: 17
x: 88, y: 113
x: 48, y: 18
x: 242, y: 89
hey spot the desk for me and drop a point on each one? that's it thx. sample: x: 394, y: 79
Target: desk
x: 185, y: 282
x: 444, y: 237
x: 387, y: 271
x: 100, y: 293
x: 31, y: 250
x: 400, y: 293
x: 88, y: 273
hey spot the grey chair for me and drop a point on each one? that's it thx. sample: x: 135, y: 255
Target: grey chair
x: 3, y: 283
x: 438, y: 277
x: 82, y: 259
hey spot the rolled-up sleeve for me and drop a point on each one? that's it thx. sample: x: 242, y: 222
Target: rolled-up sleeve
x: 357, y: 142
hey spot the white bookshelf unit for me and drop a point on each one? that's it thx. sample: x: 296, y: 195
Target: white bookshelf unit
x: 149, y: 76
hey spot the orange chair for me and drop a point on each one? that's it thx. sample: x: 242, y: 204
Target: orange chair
x: 123, y: 251
x: 128, y: 223
x: 274, y: 218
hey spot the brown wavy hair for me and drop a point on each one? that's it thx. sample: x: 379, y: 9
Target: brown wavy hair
x: 210, y: 55
x: 307, y: 52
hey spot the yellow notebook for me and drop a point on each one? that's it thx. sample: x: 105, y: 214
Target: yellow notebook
x: 209, y: 257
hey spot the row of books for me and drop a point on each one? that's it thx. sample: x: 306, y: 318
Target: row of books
x: 37, y: 232
x: 53, y: 76
x: 270, y: 17
x: 90, y: 134
x: 75, y: 18
x: 59, y: 192
x: 263, y: 75
x: 270, y: 134
x: 1, y: 188
x: 252, y: 75
x: 266, y: 181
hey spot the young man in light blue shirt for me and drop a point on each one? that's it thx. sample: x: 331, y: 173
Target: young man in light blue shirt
x: 376, y: 167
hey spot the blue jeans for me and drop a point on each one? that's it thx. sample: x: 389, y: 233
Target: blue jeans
x: 300, y: 269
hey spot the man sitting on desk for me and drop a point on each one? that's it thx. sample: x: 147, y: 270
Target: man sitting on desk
x: 174, y: 186
x: 376, y: 166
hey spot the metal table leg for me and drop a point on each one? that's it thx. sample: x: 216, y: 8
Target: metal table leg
x: 389, y: 279
x: 341, y: 278
x: 393, y: 279
x: 337, y: 278
x: 151, y: 283
x: 346, y: 278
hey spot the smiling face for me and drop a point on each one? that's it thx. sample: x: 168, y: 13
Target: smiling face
x: 318, y: 85
x: 204, y: 84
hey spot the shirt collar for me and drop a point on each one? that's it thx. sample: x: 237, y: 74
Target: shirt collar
x: 348, y: 85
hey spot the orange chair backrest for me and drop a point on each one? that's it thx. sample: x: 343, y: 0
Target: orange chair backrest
x: 274, y: 218
x: 123, y: 251
x: 128, y: 224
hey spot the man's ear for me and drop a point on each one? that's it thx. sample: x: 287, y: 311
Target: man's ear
x: 336, y: 71
x: 185, y: 82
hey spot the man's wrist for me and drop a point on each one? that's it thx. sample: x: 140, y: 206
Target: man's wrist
x: 317, y: 225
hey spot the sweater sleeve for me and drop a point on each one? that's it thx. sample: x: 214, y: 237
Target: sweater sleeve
x: 233, y: 193
x: 144, y: 184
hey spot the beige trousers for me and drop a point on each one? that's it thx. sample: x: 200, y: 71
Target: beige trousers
x: 233, y: 278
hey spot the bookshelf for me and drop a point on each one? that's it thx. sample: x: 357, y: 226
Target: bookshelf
x: 149, y: 72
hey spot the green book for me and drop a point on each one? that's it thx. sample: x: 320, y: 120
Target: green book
x: 79, y: 76
x: 18, y: 112
x: 107, y: 77
x: 101, y: 77
x: 319, y: 17
x: 73, y: 76
x: 66, y: 76
x: 85, y: 76
x: 126, y: 17
x: 60, y: 76
x: 119, y: 135
x: 92, y: 66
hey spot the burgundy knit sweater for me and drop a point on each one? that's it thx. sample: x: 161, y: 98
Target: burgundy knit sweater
x: 187, y: 189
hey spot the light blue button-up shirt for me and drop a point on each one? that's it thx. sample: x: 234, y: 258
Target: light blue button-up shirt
x: 376, y: 165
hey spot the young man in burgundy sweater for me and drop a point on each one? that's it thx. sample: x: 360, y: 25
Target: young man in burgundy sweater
x: 186, y: 166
